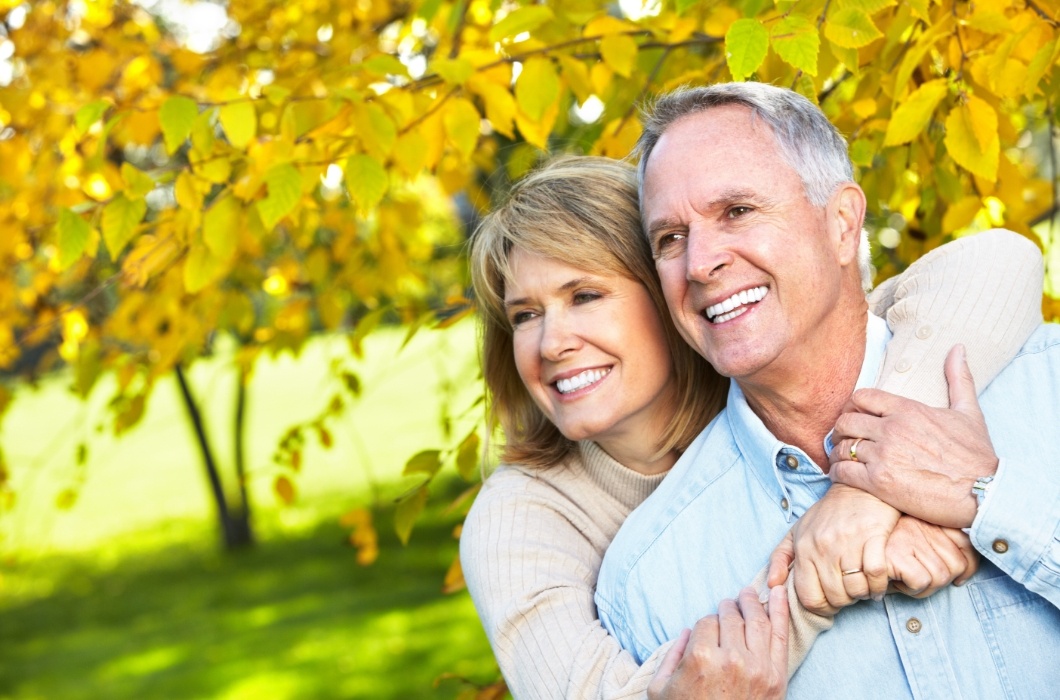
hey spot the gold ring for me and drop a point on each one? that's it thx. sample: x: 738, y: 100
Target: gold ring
x: 848, y: 572
x: 854, y: 450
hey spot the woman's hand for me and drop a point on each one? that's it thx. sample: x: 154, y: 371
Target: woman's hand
x: 923, y: 558
x: 742, y: 652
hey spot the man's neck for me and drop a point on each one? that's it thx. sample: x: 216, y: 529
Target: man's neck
x: 800, y: 403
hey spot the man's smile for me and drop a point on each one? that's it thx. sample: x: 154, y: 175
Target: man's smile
x: 735, y: 305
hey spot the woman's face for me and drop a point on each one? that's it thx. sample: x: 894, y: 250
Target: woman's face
x: 591, y: 350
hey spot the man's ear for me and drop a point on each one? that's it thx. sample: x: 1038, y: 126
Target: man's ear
x: 846, y: 214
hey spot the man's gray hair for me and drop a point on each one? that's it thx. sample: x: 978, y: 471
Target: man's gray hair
x: 807, y: 141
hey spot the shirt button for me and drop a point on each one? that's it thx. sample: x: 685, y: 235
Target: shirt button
x: 1000, y: 546
x: 784, y: 503
x: 913, y: 625
x: 923, y: 332
x: 792, y: 461
x: 903, y: 366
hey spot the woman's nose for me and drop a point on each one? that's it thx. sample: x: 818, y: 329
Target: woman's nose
x: 558, y: 336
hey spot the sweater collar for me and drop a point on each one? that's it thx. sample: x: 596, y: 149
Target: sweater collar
x: 627, y: 486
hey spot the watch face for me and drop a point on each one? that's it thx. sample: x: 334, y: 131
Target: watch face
x: 980, y: 487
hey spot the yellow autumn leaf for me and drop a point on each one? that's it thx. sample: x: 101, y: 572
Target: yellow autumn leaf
x: 461, y: 121
x: 961, y: 214
x: 201, y: 268
x: 851, y: 28
x: 519, y: 21
x: 149, y: 256
x: 137, y: 182
x: 618, y: 138
x: 454, y: 71
x: 500, y: 105
x: 240, y: 122
x: 619, y: 51
x: 366, y: 180
x: 186, y: 192
x: 454, y: 578
x: 537, y: 132
x: 375, y: 129
x: 914, y: 114
x: 965, y: 126
x: 120, y: 220
x: 606, y: 25
x: 576, y: 74
x: 284, y: 489
x: 537, y: 87
x: 410, y: 152
x: 220, y: 227
x: 983, y: 121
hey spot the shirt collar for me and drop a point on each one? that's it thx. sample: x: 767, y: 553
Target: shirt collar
x: 759, y: 446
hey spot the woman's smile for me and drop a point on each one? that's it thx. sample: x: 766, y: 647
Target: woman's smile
x: 587, y: 379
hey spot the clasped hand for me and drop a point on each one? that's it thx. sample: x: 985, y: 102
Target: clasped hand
x: 851, y: 546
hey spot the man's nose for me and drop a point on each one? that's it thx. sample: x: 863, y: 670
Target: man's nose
x: 705, y: 254
x: 558, y: 336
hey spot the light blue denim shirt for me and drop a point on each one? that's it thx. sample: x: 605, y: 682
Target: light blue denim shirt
x: 711, y: 525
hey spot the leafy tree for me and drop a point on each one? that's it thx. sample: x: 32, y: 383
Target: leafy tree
x: 312, y: 166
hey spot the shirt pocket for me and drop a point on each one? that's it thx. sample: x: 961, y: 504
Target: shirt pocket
x: 1022, y: 630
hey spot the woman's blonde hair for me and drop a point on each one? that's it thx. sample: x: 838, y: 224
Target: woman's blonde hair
x: 583, y: 211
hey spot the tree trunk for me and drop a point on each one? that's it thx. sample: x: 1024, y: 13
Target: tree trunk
x: 235, y: 537
x: 242, y: 516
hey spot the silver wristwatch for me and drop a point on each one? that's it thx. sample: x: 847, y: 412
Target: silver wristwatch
x: 979, y: 489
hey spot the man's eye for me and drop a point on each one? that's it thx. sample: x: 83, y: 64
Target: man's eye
x: 738, y: 211
x: 667, y: 242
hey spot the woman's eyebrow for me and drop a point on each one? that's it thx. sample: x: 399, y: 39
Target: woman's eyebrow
x: 565, y: 287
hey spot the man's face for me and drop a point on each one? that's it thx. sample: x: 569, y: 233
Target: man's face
x: 749, y: 267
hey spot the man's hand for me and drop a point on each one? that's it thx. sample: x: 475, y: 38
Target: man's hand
x: 921, y: 460
x: 846, y: 531
x: 742, y: 652
x: 923, y: 558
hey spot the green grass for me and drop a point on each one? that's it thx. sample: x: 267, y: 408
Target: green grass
x: 127, y: 595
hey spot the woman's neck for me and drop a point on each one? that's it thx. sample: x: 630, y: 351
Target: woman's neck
x: 638, y: 457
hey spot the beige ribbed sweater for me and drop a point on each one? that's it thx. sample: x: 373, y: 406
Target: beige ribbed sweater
x: 533, y: 542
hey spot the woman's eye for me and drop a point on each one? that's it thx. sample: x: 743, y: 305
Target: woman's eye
x: 521, y: 317
x: 585, y: 297
x: 738, y: 211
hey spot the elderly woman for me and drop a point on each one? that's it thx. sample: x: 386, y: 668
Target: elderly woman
x: 597, y: 396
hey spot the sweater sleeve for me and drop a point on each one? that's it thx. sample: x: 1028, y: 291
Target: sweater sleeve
x: 983, y: 291
x: 532, y: 575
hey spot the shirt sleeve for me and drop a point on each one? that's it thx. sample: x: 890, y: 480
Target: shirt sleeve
x: 1017, y: 526
x: 532, y: 576
x: 983, y: 291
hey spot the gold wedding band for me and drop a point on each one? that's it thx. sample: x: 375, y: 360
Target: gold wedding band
x: 854, y: 453
x: 848, y: 572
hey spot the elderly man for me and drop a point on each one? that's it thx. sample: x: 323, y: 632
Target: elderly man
x: 755, y: 224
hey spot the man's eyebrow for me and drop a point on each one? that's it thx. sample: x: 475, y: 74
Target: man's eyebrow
x: 725, y: 198
x: 731, y: 196
x: 565, y: 287
x: 666, y: 224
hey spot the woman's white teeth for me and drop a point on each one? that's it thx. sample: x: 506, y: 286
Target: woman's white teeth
x: 580, y: 381
x: 734, y: 305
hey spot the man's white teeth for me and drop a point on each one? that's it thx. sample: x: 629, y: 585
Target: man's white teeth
x: 735, y: 305
x: 580, y: 381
